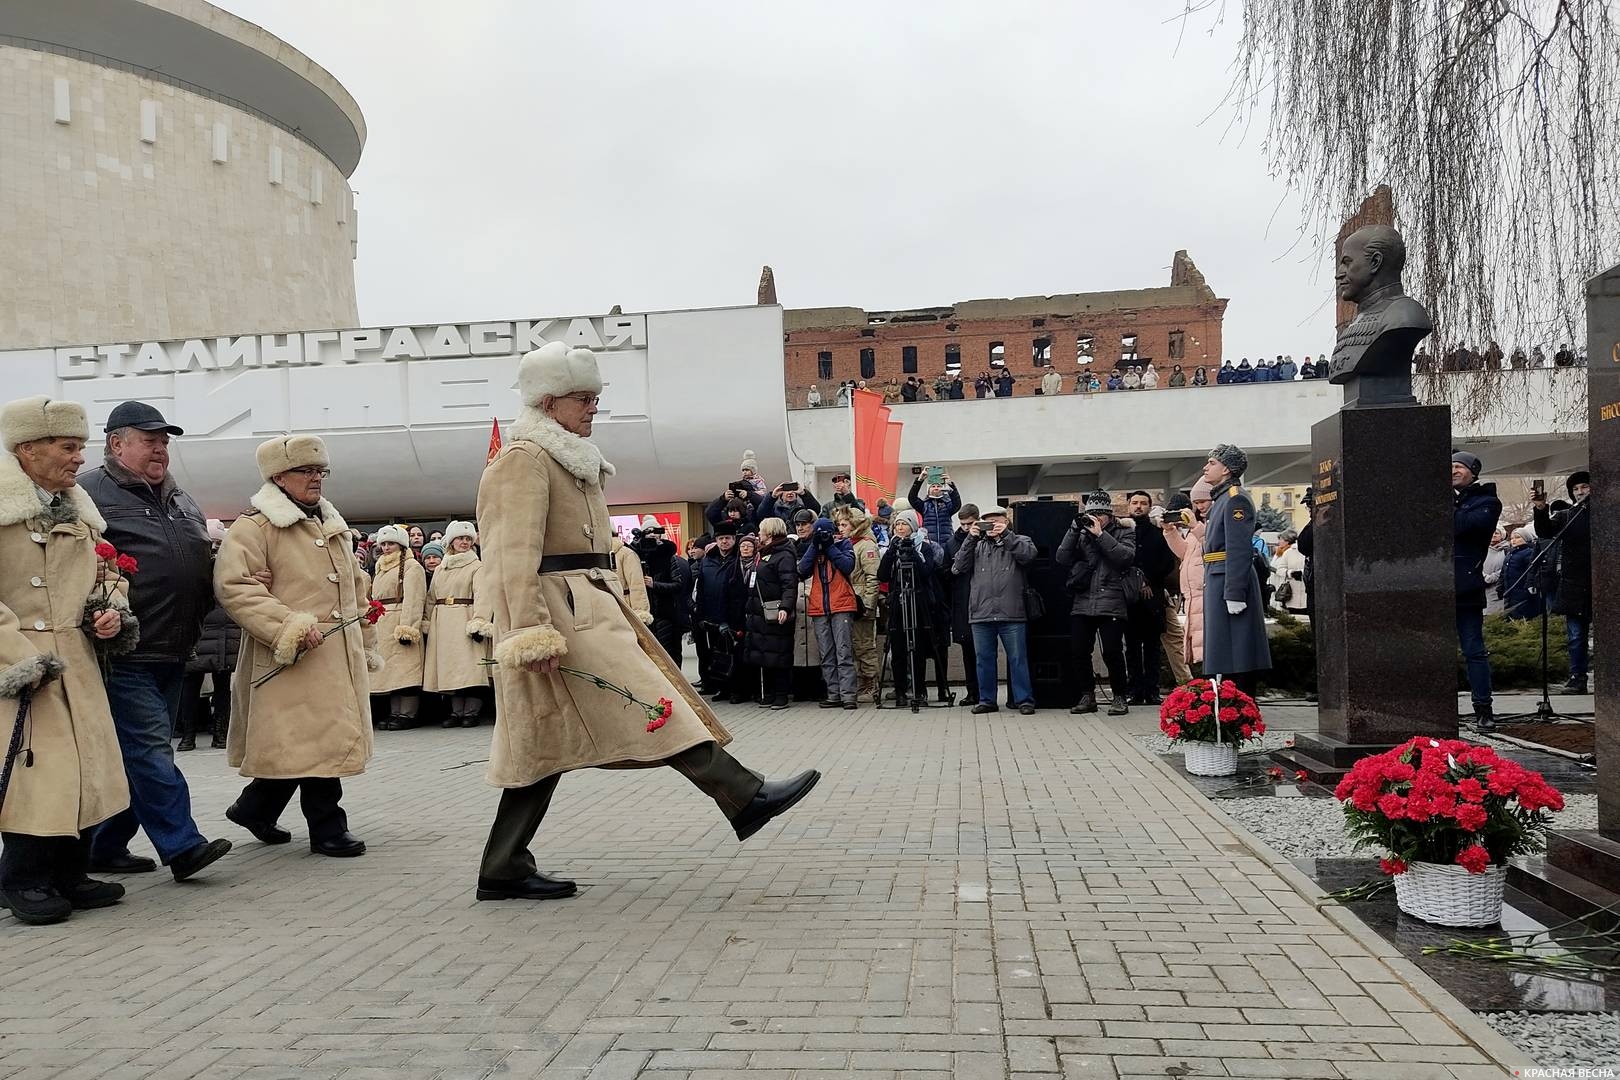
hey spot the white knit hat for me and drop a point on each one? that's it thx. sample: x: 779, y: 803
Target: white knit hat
x: 457, y: 529
x: 394, y: 534
x: 28, y: 419
x: 287, y: 452
x: 649, y: 522
x: 749, y: 461
x: 555, y: 370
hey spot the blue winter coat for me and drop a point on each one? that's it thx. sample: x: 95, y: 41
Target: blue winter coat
x: 1477, y: 509
x: 1520, y: 598
x: 1233, y: 643
x: 936, y: 514
x: 1286, y: 371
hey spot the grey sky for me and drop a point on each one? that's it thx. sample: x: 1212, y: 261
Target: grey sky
x: 557, y: 158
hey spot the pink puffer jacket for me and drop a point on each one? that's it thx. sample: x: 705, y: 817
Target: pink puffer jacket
x: 1190, y: 549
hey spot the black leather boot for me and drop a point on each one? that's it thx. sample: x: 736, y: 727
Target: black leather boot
x: 1086, y: 704
x: 221, y: 730
x: 1484, y: 717
x: 188, y: 741
x: 536, y: 886
x: 775, y: 797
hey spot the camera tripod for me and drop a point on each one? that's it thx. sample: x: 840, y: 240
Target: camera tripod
x: 905, y: 606
x: 1544, y: 712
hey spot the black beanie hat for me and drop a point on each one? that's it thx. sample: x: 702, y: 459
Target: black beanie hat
x: 1468, y: 461
x: 1579, y: 476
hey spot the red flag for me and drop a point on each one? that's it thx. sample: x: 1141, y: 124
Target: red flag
x: 876, y: 462
x: 494, y: 440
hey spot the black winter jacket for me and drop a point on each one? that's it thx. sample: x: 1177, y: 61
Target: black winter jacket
x: 167, y: 534
x: 769, y: 643
x: 1477, y: 509
x: 720, y: 596
x: 220, y: 643
x: 1572, y: 529
x: 1097, y: 569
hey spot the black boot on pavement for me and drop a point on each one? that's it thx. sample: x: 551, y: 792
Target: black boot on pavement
x: 536, y: 886
x: 1118, y: 708
x: 187, y: 863
x: 1086, y: 704
x: 265, y: 832
x: 124, y: 864
x: 1484, y: 717
x: 36, y: 907
x: 87, y: 893
x: 775, y: 797
x: 345, y: 845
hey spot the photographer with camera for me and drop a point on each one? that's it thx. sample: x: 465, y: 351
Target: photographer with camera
x: 786, y: 501
x: 719, y: 616
x: 1475, y: 513
x: 1572, y: 530
x: 996, y: 557
x: 826, y: 563
x: 739, y: 504
x: 940, y: 503
x: 669, y: 585
x: 1101, y: 555
x: 843, y: 494
x: 912, y: 569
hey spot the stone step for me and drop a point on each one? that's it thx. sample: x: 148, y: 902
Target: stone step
x: 1564, y: 892
x: 1294, y: 759
x: 1586, y: 854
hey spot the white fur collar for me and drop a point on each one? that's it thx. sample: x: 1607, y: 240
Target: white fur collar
x: 19, y: 501
x: 283, y: 513
x: 458, y: 559
x: 579, y: 456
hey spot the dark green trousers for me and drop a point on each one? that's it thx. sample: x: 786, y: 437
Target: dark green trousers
x: 714, y: 772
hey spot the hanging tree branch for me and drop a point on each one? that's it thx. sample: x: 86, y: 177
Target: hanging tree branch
x: 1495, y: 122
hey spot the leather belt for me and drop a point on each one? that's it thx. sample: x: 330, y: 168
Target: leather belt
x: 395, y: 600
x: 452, y: 602
x: 559, y: 564
x: 1214, y: 556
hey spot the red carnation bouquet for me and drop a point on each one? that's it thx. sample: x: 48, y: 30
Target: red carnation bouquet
x: 375, y: 610
x: 1446, y: 801
x: 112, y: 567
x: 1192, y: 713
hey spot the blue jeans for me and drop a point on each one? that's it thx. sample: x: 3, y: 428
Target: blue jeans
x: 145, y: 700
x: 1014, y: 637
x: 1577, y: 630
x: 1471, y: 636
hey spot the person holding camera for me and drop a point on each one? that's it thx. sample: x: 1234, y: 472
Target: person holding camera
x: 960, y: 587
x: 826, y: 563
x: 942, y: 501
x: 1101, y: 555
x: 773, y: 596
x: 996, y: 557
x: 1571, y: 529
x: 1235, y: 643
x: 719, y: 615
x: 786, y: 501
x: 669, y: 585
x: 856, y: 527
x: 843, y: 494
x: 912, y: 569
x: 739, y: 504
x: 1476, y: 511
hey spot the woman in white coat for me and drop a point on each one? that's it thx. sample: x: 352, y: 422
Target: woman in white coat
x: 458, y: 639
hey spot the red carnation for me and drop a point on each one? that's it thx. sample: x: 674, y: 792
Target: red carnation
x: 1392, y: 866
x: 127, y: 564
x: 1392, y: 806
x: 375, y: 610
x: 1301, y: 775
x: 1173, y: 730
x: 1275, y: 772
x: 1246, y: 731
x: 106, y: 551
x: 1470, y: 816
x: 1474, y: 859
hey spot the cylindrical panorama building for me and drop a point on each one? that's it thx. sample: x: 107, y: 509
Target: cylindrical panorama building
x: 168, y: 170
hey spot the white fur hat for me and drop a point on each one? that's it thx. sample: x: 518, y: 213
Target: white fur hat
x: 555, y: 370
x: 649, y: 522
x: 286, y: 452
x: 394, y: 534
x: 27, y: 419
x: 459, y: 528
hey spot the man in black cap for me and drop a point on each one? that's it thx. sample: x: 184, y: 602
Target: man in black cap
x: 1571, y: 528
x: 1235, y: 643
x: 152, y: 520
x: 1477, y: 510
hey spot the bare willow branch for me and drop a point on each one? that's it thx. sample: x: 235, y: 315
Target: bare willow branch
x: 1495, y: 122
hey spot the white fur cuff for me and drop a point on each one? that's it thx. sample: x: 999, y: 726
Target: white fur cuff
x: 374, y: 660
x: 408, y: 635
x: 479, y: 629
x: 526, y: 647
x: 646, y: 617
x: 29, y: 674
x: 285, y: 650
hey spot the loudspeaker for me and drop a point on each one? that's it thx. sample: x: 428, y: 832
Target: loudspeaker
x: 1045, y: 523
x: 1054, y: 673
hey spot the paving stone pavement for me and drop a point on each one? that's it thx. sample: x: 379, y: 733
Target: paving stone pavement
x: 972, y: 897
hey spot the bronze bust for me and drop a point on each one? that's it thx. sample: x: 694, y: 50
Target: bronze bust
x: 1373, y: 356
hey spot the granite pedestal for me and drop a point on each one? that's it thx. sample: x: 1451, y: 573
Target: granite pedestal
x: 1385, y: 615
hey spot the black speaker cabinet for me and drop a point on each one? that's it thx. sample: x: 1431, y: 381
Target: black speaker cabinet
x: 1053, y: 671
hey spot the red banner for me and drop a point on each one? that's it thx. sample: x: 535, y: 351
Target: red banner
x: 494, y: 441
x: 877, y: 449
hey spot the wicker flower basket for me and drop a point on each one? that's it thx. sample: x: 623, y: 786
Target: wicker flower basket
x: 1210, y: 759
x: 1450, y: 895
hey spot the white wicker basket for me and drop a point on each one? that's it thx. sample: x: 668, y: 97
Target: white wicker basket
x: 1450, y: 895
x: 1210, y: 759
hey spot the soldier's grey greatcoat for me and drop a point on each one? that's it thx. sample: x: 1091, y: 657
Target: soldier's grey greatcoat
x: 1233, y: 644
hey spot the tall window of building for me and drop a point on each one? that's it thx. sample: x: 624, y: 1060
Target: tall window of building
x: 953, y: 359
x: 1127, y: 348
x: 1085, y: 349
x: 998, y: 354
x: 1040, y: 352
x: 824, y: 365
x: 908, y: 359
x: 868, y: 364
x: 1178, y: 345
